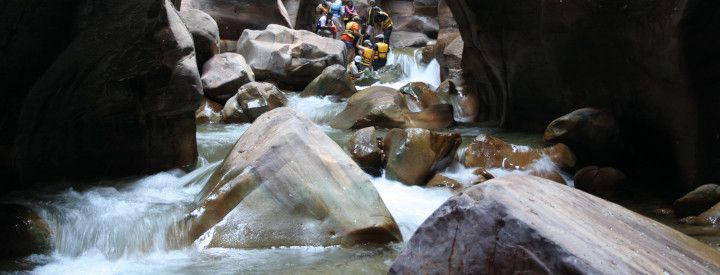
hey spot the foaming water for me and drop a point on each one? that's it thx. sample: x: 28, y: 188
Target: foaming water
x: 317, y: 109
x: 415, y: 70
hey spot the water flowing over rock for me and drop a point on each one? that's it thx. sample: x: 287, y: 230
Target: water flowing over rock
x: 286, y: 183
x: 387, y: 74
x: 441, y: 180
x: 333, y: 80
x: 419, y: 96
x: 22, y: 232
x: 224, y: 74
x: 415, y: 155
x: 364, y: 149
x: 465, y: 103
x: 491, y: 152
x: 385, y: 107
x: 127, y: 77
x: 592, y: 133
x: 697, y: 201
x: 209, y: 112
x: 527, y: 225
x: 291, y: 57
x: 599, y: 181
x: 235, y: 16
x: 205, y: 34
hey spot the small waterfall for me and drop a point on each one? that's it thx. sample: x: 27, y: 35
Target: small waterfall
x: 319, y: 110
x: 410, y: 60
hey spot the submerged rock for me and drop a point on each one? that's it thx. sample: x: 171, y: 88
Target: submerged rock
x: 414, y: 155
x: 697, y: 201
x: 601, y: 182
x: 385, y: 107
x: 364, y: 149
x: 205, y: 34
x: 527, y: 225
x: 233, y: 17
x: 224, y: 74
x: 22, y: 232
x: 286, y: 183
x: 291, y: 57
x: 333, y: 80
x: 491, y: 152
x: 209, y: 112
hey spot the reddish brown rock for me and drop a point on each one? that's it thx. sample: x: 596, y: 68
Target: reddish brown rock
x: 209, y: 112
x: 601, y: 182
x: 419, y: 96
x: 333, y: 80
x: 441, y: 180
x: 491, y: 152
x: 414, y: 155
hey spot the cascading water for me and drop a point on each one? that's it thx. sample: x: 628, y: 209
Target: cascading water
x: 123, y: 226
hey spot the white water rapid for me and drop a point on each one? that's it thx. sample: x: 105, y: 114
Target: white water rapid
x: 121, y: 226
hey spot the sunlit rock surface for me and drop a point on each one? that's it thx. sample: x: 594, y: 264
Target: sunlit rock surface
x: 291, y: 57
x: 528, y: 225
x: 415, y: 155
x: 286, y: 183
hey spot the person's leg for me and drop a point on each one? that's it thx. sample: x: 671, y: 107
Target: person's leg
x: 386, y: 35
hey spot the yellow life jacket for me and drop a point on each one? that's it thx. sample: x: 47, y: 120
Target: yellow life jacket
x: 387, y: 23
x: 367, y: 56
x: 382, y: 51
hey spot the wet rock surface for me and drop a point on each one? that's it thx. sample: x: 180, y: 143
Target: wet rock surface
x: 524, y: 224
x: 209, y: 112
x: 364, y: 150
x: 697, y: 201
x: 291, y: 57
x: 415, y: 155
x: 286, y: 183
x: 592, y: 133
x: 333, y: 80
x: 22, y: 232
x: 491, y: 152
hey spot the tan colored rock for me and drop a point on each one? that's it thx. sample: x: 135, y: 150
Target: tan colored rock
x: 232, y: 112
x: 286, y: 183
x: 492, y: 152
x: 256, y: 98
x: 708, y: 217
x: 528, y: 225
x: 205, y: 34
x: 364, y: 150
x: 414, y: 155
x: 224, y: 74
x: 419, y: 96
x: 441, y: 180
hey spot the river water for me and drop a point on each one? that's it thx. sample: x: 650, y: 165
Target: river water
x: 120, y: 226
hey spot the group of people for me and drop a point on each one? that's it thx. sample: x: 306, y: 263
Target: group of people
x: 367, y: 39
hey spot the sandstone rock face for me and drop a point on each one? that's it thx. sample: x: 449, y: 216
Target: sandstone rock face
x: 364, y: 150
x: 333, y: 80
x: 209, y: 112
x: 698, y: 200
x: 385, y: 107
x: 592, y: 133
x: 601, y: 182
x: 648, y: 62
x: 286, y: 183
x: 22, y: 232
x: 528, y: 225
x: 205, y: 34
x: 136, y: 89
x: 291, y: 57
x: 491, y: 152
x: 257, y: 98
x: 235, y: 16
x: 224, y: 74
x: 414, y: 155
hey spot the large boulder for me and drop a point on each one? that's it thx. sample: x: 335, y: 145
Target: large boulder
x: 403, y: 39
x: 224, y: 74
x: 333, y: 80
x: 22, y: 232
x: 528, y: 225
x: 126, y: 77
x: 286, y: 183
x: 257, y: 98
x: 235, y: 16
x: 592, y: 133
x: 366, y: 152
x: 415, y: 155
x: 385, y: 107
x: 697, y: 201
x: 205, y: 34
x: 291, y: 57
x: 491, y: 152
x: 650, y: 63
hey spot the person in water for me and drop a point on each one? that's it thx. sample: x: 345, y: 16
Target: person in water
x: 381, y: 20
x: 351, y: 37
x: 353, y: 69
x: 337, y: 11
x: 367, y: 54
x: 381, y: 52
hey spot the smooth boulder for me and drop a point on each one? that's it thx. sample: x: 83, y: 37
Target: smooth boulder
x: 235, y: 16
x: 333, y: 80
x: 286, y: 183
x: 205, y: 34
x: 22, y: 232
x: 404, y: 39
x: 291, y: 57
x: 415, y: 155
x: 419, y: 95
x: 599, y: 181
x: 365, y: 151
x: 528, y: 225
x: 592, y: 133
x: 385, y: 107
x: 697, y: 201
x: 491, y: 152
x: 224, y: 74
x: 257, y: 98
